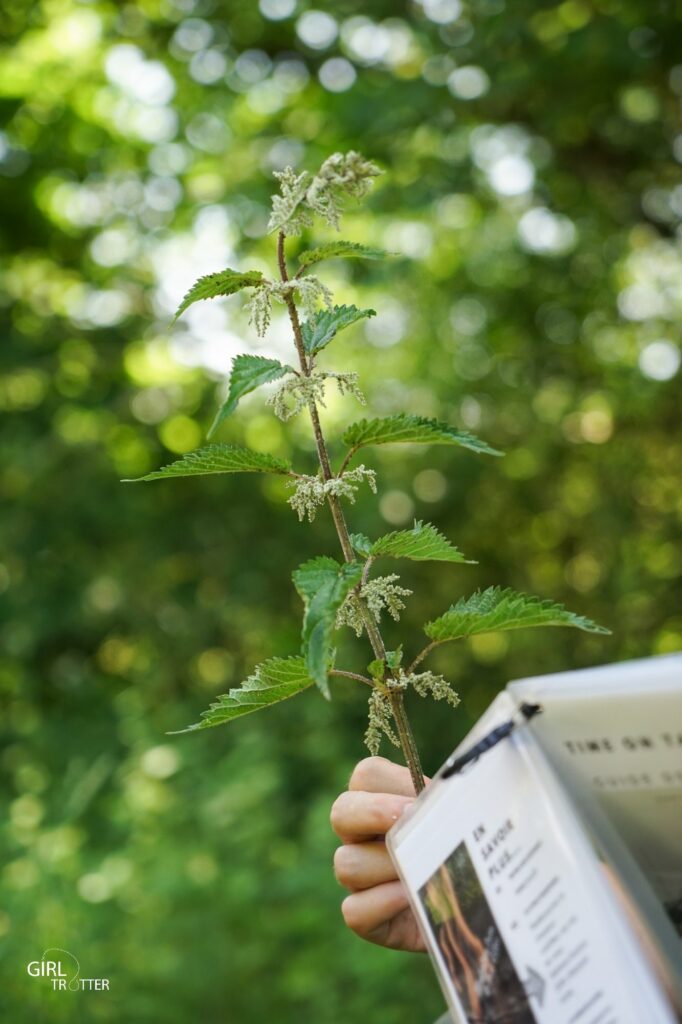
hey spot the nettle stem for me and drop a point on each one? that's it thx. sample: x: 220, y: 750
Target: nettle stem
x: 405, y: 734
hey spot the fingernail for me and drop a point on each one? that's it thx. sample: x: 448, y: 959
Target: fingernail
x: 408, y: 803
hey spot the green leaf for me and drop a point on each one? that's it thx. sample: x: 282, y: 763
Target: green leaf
x: 377, y: 669
x: 404, y: 429
x: 219, y: 458
x: 332, y: 250
x: 422, y: 543
x: 324, y: 585
x: 361, y: 544
x: 274, y: 680
x: 394, y: 658
x: 225, y: 282
x: 310, y: 576
x: 496, y: 609
x: 319, y: 332
x: 248, y: 373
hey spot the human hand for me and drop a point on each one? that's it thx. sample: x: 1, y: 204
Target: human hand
x: 378, y: 908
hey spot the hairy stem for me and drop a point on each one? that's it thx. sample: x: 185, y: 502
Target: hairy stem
x: 365, y: 572
x: 351, y: 675
x: 407, y: 741
x: 322, y: 453
x: 423, y: 654
x: 349, y: 455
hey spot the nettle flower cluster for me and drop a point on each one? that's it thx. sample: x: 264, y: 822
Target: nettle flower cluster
x: 341, y: 593
x: 295, y: 393
x: 426, y: 684
x: 301, y: 196
x: 311, y: 492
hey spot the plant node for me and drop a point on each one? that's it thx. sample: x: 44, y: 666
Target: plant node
x: 311, y: 292
x: 295, y: 393
x: 311, y: 492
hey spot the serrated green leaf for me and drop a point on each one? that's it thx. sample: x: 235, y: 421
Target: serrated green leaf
x: 496, y: 609
x: 219, y: 458
x: 225, y: 282
x: 361, y: 544
x: 333, y: 250
x: 248, y: 373
x: 273, y: 681
x: 313, y: 574
x: 319, y: 332
x: 324, y: 585
x: 423, y: 543
x: 405, y: 429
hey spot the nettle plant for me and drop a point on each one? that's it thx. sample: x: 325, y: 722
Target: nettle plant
x: 338, y: 594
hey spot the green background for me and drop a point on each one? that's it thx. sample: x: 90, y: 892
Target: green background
x: 532, y: 197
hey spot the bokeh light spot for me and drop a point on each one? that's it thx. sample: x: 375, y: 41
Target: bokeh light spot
x: 396, y: 507
x: 337, y: 74
x: 160, y: 762
x: 277, y: 10
x: 317, y: 29
x: 660, y: 360
x: 430, y: 485
x: 547, y: 233
x: 180, y: 434
x: 468, y: 82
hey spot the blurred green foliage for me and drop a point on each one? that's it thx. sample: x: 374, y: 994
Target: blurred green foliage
x: 532, y: 194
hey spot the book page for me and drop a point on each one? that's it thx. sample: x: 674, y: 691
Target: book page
x: 517, y: 912
x: 617, y: 733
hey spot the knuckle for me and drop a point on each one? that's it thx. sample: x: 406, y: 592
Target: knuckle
x: 365, y: 772
x: 376, y: 808
x: 351, y: 914
x: 382, y: 811
x: 337, y: 813
x: 344, y: 864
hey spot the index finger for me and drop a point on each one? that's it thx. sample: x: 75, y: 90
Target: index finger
x: 358, y: 816
x: 379, y: 775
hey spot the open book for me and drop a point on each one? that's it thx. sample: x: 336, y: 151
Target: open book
x: 546, y: 873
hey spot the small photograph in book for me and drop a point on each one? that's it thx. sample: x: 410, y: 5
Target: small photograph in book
x: 489, y: 989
